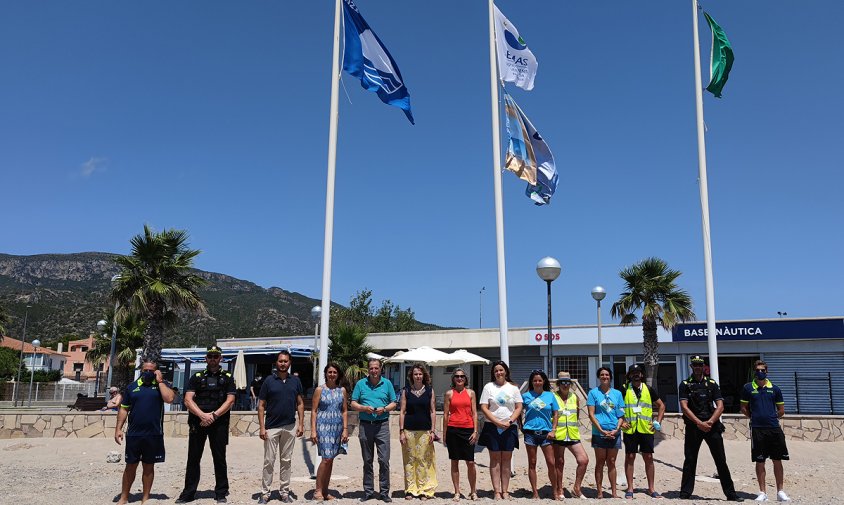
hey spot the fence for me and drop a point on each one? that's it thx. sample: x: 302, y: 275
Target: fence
x: 44, y: 391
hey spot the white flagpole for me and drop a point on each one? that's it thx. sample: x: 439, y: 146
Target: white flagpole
x: 704, y: 207
x: 499, y: 205
x: 329, y: 196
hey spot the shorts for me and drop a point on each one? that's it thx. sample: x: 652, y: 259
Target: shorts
x: 505, y: 441
x: 767, y: 443
x: 566, y: 443
x: 457, y: 443
x: 536, y: 438
x: 146, y: 449
x: 601, y: 442
x: 638, y: 442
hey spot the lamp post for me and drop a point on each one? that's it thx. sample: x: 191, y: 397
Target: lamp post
x: 481, y: 307
x: 101, y: 326
x: 114, y: 279
x: 20, y: 365
x: 316, y: 314
x: 35, y: 344
x: 598, y: 293
x: 548, y: 269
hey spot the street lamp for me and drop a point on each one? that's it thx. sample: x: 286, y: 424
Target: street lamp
x: 35, y: 344
x: 481, y: 307
x: 598, y: 293
x: 548, y: 269
x: 316, y: 314
x: 20, y: 365
x: 114, y: 279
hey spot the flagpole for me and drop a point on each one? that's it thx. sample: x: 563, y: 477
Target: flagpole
x: 499, y: 205
x: 329, y: 196
x: 704, y: 206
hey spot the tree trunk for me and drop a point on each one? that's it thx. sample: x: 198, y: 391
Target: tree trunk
x: 651, y: 347
x: 153, y: 337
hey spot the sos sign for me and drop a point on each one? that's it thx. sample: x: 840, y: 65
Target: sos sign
x: 543, y: 337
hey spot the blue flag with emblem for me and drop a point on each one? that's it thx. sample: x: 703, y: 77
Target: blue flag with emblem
x: 528, y: 156
x: 365, y: 57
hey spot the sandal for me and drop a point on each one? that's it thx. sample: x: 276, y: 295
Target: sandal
x: 473, y: 496
x: 456, y: 497
x: 318, y: 497
x: 628, y: 495
x: 656, y: 495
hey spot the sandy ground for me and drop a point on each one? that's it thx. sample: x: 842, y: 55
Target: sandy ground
x: 74, y: 471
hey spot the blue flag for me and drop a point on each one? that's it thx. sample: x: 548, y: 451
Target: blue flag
x: 528, y: 156
x: 366, y: 58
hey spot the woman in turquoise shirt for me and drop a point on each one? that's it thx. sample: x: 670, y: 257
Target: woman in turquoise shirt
x: 606, y: 411
x: 539, y: 426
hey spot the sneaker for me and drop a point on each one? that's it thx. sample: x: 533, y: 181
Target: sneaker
x: 285, y: 498
x: 184, y: 500
x: 385, y: 497
x: 264, y: 499
x: 734, y: 497
x: 222, y: 499
x: 367, y: 497
x: 781, y: 496
x: 762, y: 497
x: 685, y: 496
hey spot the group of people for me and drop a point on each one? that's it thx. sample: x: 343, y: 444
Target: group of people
x: 549, y: 422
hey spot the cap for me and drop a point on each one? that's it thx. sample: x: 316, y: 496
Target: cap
x: 563, y: 377
x: 697, y: 359
x: 113, y: 389
x: 214, y: 350
x: 635, y: 368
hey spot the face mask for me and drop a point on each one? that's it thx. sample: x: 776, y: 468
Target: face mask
x: 147, y: 376
x: 761, y: 375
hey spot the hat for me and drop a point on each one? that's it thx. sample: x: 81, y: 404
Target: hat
x: 697, y: 359
x: 563, y: 377
x: 635, y: 368
x: 214, y: 350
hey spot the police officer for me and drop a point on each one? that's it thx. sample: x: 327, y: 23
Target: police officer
x: 208, y: 398
x: 702, y: 405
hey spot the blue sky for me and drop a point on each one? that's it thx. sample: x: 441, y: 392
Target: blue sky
x: 213, y: 117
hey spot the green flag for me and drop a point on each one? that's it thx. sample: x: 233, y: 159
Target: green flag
x: 721, y: 60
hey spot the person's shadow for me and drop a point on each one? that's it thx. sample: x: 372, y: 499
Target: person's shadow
x: 307, y: 446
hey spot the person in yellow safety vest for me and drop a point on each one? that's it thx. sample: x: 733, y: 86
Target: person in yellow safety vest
x: 639, y: 426
x: 567, y: 435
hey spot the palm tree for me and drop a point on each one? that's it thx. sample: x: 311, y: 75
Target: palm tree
x: 155, y: 282
x: 649, y: 287
x: 348, y: 348
x: 130, y: 337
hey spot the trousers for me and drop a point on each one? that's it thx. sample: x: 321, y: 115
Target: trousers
x: 279, y: 443
x: 217, y: 435
x: 713, y: 439
x: 374, y: 436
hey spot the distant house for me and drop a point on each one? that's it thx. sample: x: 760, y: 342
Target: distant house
x: 78, y: 367
x: 42, y: 358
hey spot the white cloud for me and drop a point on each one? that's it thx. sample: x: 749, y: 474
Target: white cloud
x: 94, y: 164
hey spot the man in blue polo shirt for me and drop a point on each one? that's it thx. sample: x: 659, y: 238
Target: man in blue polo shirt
x: 762, y: 402
x: 374, y: 398
x: 280, y: 398
x: 143, y: 404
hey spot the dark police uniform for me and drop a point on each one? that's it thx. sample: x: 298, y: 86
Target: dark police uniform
x: 210, y: 392
x: 701, y: 396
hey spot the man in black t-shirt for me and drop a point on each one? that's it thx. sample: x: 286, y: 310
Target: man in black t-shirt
x: 143, y: 404
x: 280, y: 398
x: 254, y: 389
x: 702, y: 405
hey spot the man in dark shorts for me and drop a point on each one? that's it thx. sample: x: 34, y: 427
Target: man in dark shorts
x: 762, y: 402
x: 702, y: 405
x: 254, y: 389
x: 143, y: 403
x: 639, y: 426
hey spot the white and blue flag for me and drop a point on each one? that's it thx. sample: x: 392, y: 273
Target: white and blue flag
x: 366, y: 58
x: 528, y: 156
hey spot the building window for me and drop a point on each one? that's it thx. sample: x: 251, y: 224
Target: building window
x: 84, y: 348
x: 577, y: 366
x: 78, y: 367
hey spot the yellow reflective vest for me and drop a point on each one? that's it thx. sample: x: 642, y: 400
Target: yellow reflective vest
x: 567, y: 425
x: 638, y: 411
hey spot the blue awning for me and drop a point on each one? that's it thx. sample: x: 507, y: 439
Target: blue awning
x: 197, y: 354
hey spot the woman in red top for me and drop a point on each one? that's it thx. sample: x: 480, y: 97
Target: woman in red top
x: 460, y: 430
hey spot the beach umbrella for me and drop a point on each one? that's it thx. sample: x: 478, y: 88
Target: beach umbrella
x: 424, y: 354
x: 465, y: 357
x: 240, y: 371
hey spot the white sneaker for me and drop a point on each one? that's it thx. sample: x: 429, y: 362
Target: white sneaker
x: 762, y: 497
x: 781, y: 496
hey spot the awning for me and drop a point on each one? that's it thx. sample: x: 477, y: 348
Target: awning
x: 197, y: 354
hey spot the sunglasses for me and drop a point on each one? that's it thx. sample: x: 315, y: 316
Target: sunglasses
x: 213, y: 356
x: 459, y: 376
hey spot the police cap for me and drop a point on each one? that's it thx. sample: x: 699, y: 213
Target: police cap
x: 214, y: 350
x: 697, y: 360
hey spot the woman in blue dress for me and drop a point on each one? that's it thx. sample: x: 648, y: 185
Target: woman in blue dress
x: 329, y: 426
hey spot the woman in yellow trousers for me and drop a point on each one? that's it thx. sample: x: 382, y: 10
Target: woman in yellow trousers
x: 418, y: 433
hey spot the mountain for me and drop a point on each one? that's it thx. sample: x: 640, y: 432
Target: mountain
x: 68, y: 294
